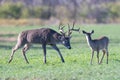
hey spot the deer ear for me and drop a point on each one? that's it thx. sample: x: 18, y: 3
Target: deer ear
x: 92, y: 31
x: 83, y: 32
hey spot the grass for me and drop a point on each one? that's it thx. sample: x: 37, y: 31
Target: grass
x: 77, y: 60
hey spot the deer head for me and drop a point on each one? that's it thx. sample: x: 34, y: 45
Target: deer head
x: 65, y: 38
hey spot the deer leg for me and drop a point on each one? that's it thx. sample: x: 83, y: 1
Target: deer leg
x: 17, y: 46
x: 56, y: 48
x: 44, y: 51
x: 92, y: 57
x: 107, y: 55
x: 102, y: 56
x: 98, y: 56
x: 25, y: 48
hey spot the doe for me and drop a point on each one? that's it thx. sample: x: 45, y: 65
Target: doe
x: 97, y: 45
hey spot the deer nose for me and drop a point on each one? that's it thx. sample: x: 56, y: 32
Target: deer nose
x: 69, y: 47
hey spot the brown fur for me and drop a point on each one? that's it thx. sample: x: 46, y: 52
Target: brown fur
x: 44, y: 36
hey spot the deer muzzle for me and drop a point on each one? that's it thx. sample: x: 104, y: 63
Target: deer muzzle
x: 69, y: 47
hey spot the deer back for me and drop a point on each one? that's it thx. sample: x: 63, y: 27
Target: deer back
x: 43, y: 35
x: 102, y: 42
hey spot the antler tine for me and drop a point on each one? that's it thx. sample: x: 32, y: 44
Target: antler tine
x: 75, y: 29
x: 69, y: 30
x: 61, y: 29
x: 68, y: 27
x: 59, y: 25
x: 73, y: 24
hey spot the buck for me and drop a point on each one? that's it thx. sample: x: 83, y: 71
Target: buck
x: 44, y: 36
x: 97, y: 45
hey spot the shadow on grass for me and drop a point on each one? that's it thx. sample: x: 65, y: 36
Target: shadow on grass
x: 33, y: 47
x: 8, y: 35
x: 5, y: 47
x: 117, y: 60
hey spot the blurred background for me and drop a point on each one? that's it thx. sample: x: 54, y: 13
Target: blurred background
x: 52, y: 12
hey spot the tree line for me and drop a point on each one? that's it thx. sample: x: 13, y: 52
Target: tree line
x: 98, y: 13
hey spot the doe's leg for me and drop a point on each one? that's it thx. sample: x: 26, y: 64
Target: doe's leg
x: 92, y: 57
x: 98, y: 56
x: 102, y: 56
x: 107, y: 53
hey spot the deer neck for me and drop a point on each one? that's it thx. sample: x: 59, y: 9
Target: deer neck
x: 89, y: 40
x: 57, y: 38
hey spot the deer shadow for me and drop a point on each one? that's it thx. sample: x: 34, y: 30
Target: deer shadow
x: 5, y: 47
x: 32, y: 47
x: 8, y: 35
x: 117, y: 60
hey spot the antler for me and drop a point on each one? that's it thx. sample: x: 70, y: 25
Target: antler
x: 69, y: 30
x: 61, y: 29
x: 72, y: 29
x: 75, y: 29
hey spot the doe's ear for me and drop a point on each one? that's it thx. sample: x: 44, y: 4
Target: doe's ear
x: 92, y: 31
x: 83, y: 32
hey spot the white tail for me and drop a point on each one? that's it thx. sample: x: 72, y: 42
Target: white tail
x: 97, y: 45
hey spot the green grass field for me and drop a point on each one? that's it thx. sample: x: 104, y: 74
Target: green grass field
x: 77, y: 60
